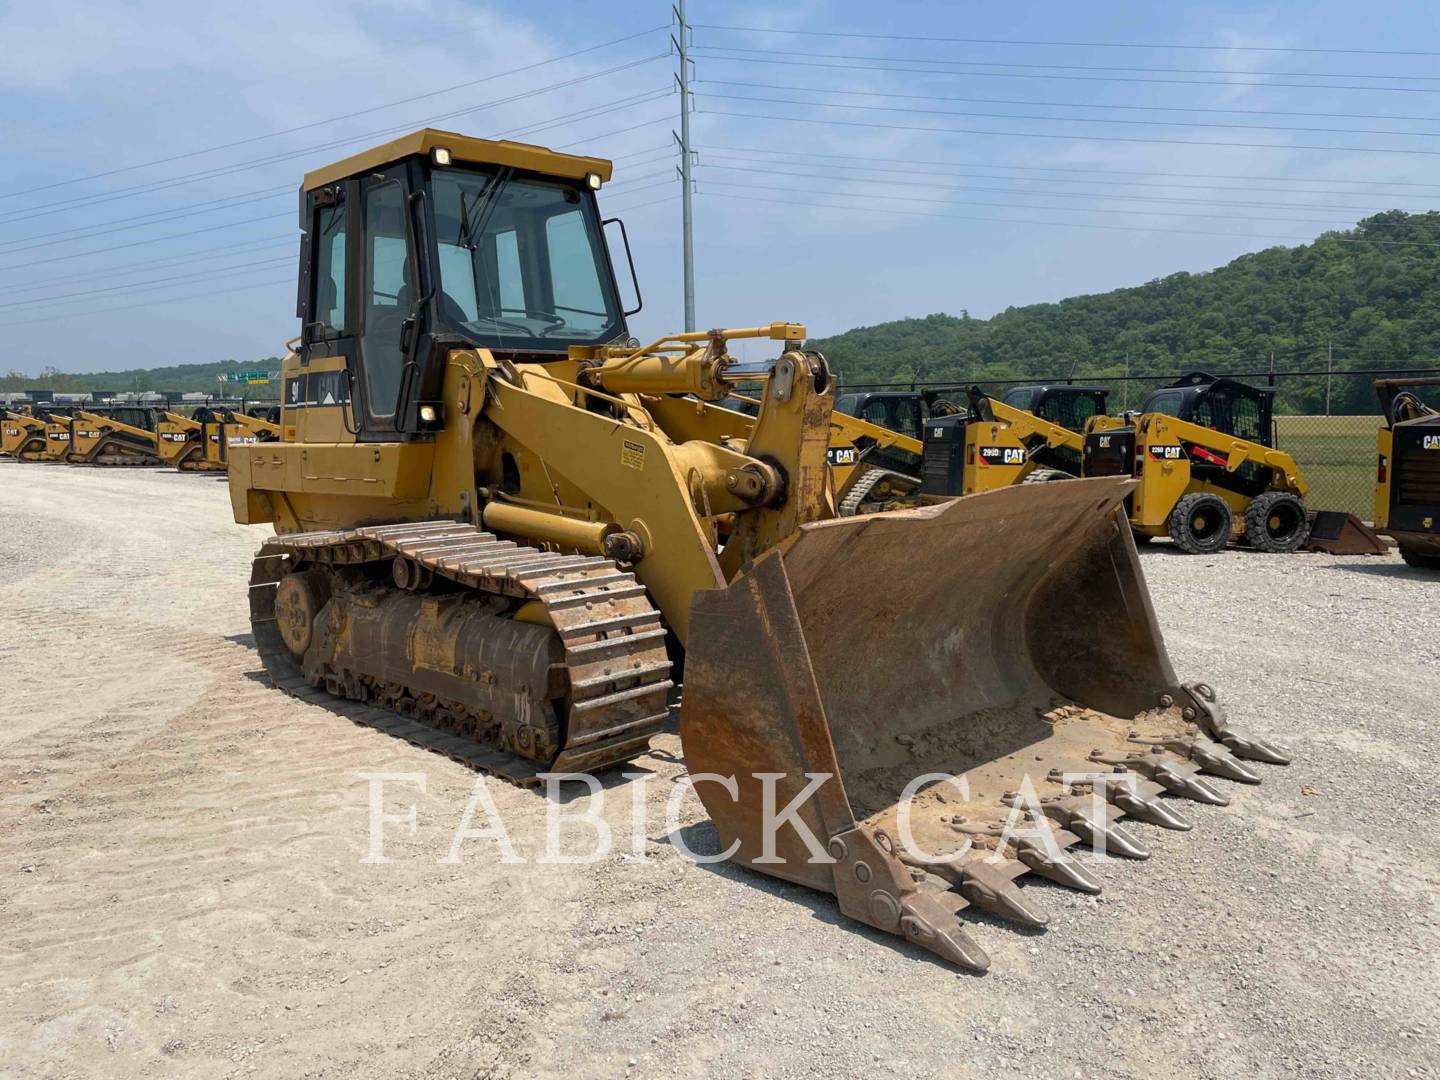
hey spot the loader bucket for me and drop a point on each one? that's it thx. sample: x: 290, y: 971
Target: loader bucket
x: 1337, y: 533
x: 1004, y: 639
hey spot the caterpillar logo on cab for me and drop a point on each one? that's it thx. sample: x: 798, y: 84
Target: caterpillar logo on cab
x: 842, y: 455
x: 1431, y: 442
x: 1168, y: 453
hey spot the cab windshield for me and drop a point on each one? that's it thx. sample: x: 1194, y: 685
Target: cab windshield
x: 522, y: 261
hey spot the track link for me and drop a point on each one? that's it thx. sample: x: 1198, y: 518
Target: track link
x: 612, y: 638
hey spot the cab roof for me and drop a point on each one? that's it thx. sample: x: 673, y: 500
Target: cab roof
x: 463, y: 148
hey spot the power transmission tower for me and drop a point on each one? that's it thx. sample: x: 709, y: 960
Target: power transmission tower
x: 682, y: 46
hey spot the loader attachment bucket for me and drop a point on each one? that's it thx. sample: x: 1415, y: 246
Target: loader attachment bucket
x: 1337, y: 533
x: 998, y: 655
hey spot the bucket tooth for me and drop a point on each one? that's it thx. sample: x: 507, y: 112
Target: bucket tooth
x: 1166, y: 769
x: 1247, y: 746
x: 1216, y: 761
x: 1063, y: 869
x: 1177, y: 780
x: 925, y: 921
x: 1148, y: 809
x: 1106, y: 835
x: 988, y: 889
x: 1199, y: 706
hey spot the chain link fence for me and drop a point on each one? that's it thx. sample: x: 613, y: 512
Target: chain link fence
x: 1326, y: 420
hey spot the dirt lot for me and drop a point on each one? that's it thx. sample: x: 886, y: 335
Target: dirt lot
x: 182, y: 891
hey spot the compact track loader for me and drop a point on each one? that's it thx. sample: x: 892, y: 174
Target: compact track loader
x: 1407, y: 482
x: 1203, y: 451
x: 226, y: 429
x: 20, y: 430
x: 45, y: 435
x: 502, y: 524
x: 181, y: 443
x: 103, y: 438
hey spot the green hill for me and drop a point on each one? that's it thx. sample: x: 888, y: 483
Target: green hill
x: 185, y: 378
x: 1372, y: 293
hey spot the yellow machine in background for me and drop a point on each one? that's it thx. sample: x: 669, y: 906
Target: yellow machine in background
x: 105, y: 439
x: 56, y: 446
x: 181, y: 443
x: 1407, y: 482
x: 503, y: 524
x: 202, y: 442
x: 1209, y: 473
x: 21, y: 432
x: 227, y: 429
x: 995, y: 443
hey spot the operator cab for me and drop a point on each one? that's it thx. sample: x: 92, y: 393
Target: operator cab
x: 1064, y: 405
x: 1224, y: 405
x: 434, y: 242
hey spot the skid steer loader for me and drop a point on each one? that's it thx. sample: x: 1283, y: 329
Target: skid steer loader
x: 1203, y: 450
x: 1407, y: 481
x: 501, y: 522
x: 104, y: 438
x: 1031, y: 435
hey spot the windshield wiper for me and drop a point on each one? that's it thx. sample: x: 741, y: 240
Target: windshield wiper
x: 515, y: 327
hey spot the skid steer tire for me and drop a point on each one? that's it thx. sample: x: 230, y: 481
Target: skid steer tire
x: 1045, y: 476
x: 1201, y: 524
x: 1421, y: 560
x: 1276, y: 522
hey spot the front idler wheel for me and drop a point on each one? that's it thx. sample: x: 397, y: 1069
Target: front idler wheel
x: 1201, y: 524
x: 298, y: 599
x: 1276, y: 522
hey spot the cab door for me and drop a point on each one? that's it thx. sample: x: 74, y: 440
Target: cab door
x: 388, y: 301
x: 317, y: 394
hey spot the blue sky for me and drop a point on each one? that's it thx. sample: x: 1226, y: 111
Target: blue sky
x: 875, y: 171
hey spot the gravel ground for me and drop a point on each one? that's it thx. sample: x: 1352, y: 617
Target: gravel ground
x: 182, y: 891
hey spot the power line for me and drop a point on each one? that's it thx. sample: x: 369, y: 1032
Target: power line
x: 1064, y: 44
x: 1066, y: 138
x: 788, y: 60
x: 598, y: 111
x: 1060, y: 119
x: 142, y: 285
x: 1062, y: 194
x: 1011, y: 206
x: 152, y: 240
x: 71, y: 316
x: 1076, y: 169
x: 270, y: 243
x: 140, y: 221
x: 1092, y: 105
x: 1053, y: 224
x: 910, y: 163
x: 1101, y: 67
x: 337, y: 119
x: 367, y: 137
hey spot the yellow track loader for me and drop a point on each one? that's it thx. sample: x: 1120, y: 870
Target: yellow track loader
x: 21, y: 432
x: 227, y: 429
x: 501, y: 523
x: 1407, y: 483
x: 105, y: 439
x: 55, y: 445
x: 181, y: 443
